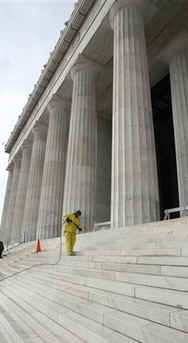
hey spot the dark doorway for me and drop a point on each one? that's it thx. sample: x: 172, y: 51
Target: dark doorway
x: 165, y: 146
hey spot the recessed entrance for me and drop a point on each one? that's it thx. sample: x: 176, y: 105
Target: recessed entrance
x: 165, y: 146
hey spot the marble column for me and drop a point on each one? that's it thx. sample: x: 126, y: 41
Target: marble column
x: 12, y: 200
x: 29, y: 225
x: 80, y: 180
x: 134, y: 196
x: 104, y: 157
x: 179, y: 91
x: 51, y: 201
x: 4, y: 230
x: 21, y: 192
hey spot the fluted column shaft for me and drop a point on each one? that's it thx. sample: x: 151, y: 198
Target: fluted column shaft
x: 80, y: 181
x: 104, y: 154
x: 134, y: 173
x: 51, y: 201
x: 5, y: 213
x: 179, y: 91
x: 12, y: 200
x: 29, y: 225
x: 21, y: 192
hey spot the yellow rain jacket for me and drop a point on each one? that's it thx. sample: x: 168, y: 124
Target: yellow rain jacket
x: 71, y: 227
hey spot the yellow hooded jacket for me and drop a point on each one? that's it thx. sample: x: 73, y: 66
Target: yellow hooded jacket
x: 71, y: 227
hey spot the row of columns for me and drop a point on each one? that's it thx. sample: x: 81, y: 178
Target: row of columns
x: 58, y: 175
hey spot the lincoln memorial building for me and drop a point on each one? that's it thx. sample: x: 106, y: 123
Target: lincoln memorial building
x: 105, y: 129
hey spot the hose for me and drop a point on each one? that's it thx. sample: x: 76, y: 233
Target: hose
x: 41, y: 264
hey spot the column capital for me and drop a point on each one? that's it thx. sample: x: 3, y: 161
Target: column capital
x: 10, y: 167
x: 17, y: 160
x: 119, y: 5
x: 83, y: 64
x: 58, y: 101
x: 27, y: 145
x: 39, y: 130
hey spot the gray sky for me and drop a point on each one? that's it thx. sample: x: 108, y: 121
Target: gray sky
x: 29, y: 30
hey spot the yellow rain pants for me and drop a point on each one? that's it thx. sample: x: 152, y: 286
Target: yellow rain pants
x: 70, y: 232
x: 70, y: 239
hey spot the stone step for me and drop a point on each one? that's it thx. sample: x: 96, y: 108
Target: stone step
x: 114, y: 267
x: 8, y: 334
x: 162, y: 234
x: 162, y: 314
x: 86, y: 329
x: 169, y: 282
x: 11, y: 267
x: 155, y: 264
x: 149, y: 260
x: 139, y: 242
x: 156, y: 245
x: 180, y: 271
x: 31, y: 326
x: 151, y: 293
x: 124, y: 323
x: 132, y: 288
x: 160, y: 243
x: 152, y: 230
x: 127, y: 235
x: 148, y: 249
x: 135, y: 252
x: 163, y: 225
x: 163, y: 260
x: 148, y: 229
x: 179, y: 225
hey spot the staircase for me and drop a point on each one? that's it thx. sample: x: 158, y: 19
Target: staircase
x: 124, y: 286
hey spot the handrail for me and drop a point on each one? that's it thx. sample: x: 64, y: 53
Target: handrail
x: 98, y: 225
x: 174, y: 210
x: 13, y: 245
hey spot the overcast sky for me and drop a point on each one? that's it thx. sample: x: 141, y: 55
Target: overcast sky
x: 29, y: 30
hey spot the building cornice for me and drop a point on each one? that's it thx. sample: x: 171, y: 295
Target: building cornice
x: 82, y: 7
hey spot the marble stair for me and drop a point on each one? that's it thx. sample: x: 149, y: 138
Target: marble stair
x: 130, y: 293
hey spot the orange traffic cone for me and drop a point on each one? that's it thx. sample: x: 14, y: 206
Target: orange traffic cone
x: 38, y: 247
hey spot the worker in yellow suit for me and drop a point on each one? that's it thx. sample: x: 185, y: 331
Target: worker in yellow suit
x: 72, y: 224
